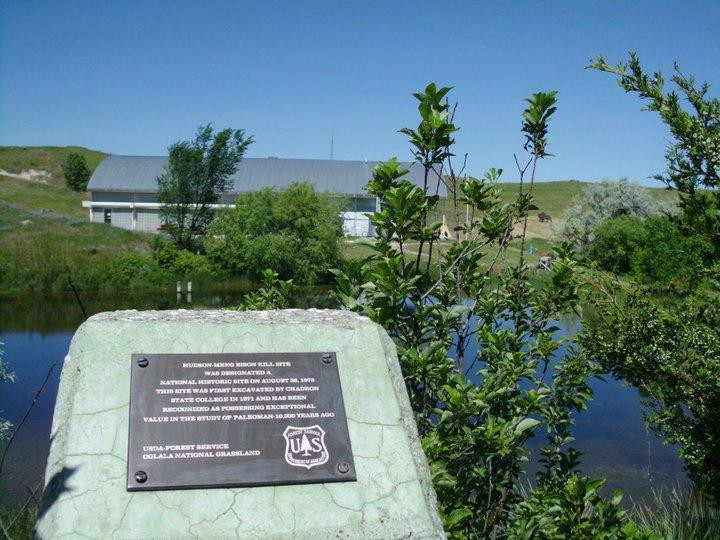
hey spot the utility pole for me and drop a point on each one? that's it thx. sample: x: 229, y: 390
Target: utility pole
x: 332, y: 146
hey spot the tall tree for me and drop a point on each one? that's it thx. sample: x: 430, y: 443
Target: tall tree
x: 197, y: 174
x: 76, y: 172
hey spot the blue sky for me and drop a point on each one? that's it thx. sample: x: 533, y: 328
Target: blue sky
x: 133, y: 77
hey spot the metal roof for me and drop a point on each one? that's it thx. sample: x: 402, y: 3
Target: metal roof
x: 139, y: 173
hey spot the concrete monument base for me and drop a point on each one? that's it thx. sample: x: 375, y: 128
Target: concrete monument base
x: 86, y: 494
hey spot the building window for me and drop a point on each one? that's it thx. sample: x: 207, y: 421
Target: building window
x: 107, y: 215
x: 364, y: 204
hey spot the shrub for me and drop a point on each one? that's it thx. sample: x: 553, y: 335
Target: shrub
x: 179, y: 262
x: 123, y: 268
x: 37, y: 261
x: 274, y: 294
x: 607, y: 200
x: 294, y: 232
x: 449, y: 317
x: 668, y: 258
x: 615, y: 243
x: 673, y: 355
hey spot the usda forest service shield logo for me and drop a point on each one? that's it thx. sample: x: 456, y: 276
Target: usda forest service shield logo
x: 305, y: 446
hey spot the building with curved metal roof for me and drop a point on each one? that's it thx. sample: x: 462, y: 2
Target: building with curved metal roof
x: 123, y: 189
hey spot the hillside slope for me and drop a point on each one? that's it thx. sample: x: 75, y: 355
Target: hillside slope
x: 550, y: 197
x: 28, y: 197
x: 17, y: 159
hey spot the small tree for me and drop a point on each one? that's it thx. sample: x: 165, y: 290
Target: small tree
x: 615, y: 243
x: 476, y: 341
x: 76, y: 172
x: 670, y: 349
x: 295, y: 232
x: 197, y: 174
x: 274, y: 294
x: 693, y: 158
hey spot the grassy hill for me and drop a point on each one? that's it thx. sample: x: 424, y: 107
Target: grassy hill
x: 45, y: 234
x: 550, y: 197
x: 16, y: 159
x: 37, y: 198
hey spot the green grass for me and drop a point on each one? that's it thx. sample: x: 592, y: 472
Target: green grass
x: 550, y: 197
x: 16, y: 159
x: 38, y: 251
x: 34, y: 197
x: 67, y: 233
x: 680, y: 515
x: 541, y: 246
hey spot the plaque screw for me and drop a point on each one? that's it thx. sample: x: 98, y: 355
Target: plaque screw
x: 343, y: 467
x: 143, y: 362
x: 327, y: 358
x: 141, y: 477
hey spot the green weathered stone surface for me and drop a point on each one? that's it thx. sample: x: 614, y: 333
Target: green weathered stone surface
x: 85, y: 493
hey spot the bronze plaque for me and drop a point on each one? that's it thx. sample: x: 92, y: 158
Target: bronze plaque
x: 221, y: 420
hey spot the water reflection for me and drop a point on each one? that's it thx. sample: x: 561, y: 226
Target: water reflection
x: 611, y: 433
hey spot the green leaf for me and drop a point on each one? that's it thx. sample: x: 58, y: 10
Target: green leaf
x: 527, y: 423
x: 457, y: 517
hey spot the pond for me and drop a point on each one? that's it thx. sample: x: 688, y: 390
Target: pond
x: 36, y: 331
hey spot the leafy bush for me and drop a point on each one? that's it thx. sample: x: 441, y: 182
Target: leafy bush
x: 575, y: 511
x: 615, y: 243
x: 294, y: 232
x: 673, y: 355
x: 607, y: 200
x: 668, y: 258
x: 438, y: 303
x: 656, y: 251
x: 181, y: 263
x: 274, y: 294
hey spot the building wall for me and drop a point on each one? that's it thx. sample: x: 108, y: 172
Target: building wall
x: 119, y: 217
x: 148, y: 220
x: 356, y: 224
x: 355, y: 220
x: 97, y: 215
x: 122, y: 217
x: 111, y: 196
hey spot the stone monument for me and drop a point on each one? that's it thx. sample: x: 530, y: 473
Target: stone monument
x: 222, y: 424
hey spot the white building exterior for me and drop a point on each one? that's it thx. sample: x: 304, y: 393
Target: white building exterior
x: 123, y: 189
